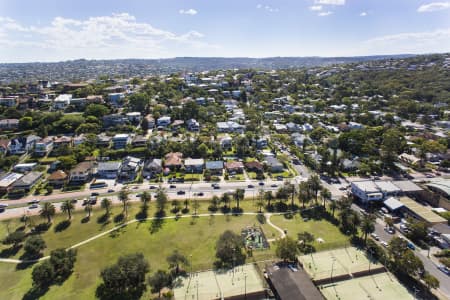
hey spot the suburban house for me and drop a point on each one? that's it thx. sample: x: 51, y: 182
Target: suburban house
x: 97, y: 99
x: 409, y: 159
x: 215, y: 167
x: 27, y: 182
x: 139, y: 141
x: 134, y: 117
x: 116, y: 99
x: 275, y: 166
x: 230, y: 127
x: 109, y: 169
x: 9, y: 101
x: 192, y: 125
x: 43, y: 146
x: 4, y: 145
x: 81, y: 173
x: 261, y: 143
x: 22, y: 144
x: 300, y: 139
x: 8, y: 180
x: 226, y: 143
x: 62, y: 141
x: 152, y: 167
x: 177, y: 124
x: 25, y: 167
x: 234, y: 167
x: 103, y: 140
x: 57, y: 179
x: 254, y: 166
x: 194, y: 165
x: 120, y: 141
x: 163, y: 121
x: 114, y: 120
x: 150, y: 121
x: 9, y: 124
x: 130, y: 168
x: 62, y: 101
x: 173, y: 161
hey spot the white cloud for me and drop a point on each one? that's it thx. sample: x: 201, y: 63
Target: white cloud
x: 325, y: 13
x: 316, y: 7
x: 267, y: 8
x: 434, y: 6
x: 410, y: 42
x: 114, y: 36
x: 330, y: 2
x: 189, y: 11
x: 363, y: 14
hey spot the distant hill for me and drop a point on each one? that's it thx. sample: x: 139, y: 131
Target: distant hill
x: 85, y: 69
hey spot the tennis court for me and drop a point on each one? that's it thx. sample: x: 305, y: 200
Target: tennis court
x: 381, y: 286
x: 337, y: 262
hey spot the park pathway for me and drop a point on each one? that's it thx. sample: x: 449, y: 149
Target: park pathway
x: 267, y: 216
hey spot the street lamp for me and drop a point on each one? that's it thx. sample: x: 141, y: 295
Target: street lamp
x: 232, y: 280
x: 332, y: 268
x: 190, y: 262
x: 245, y: 285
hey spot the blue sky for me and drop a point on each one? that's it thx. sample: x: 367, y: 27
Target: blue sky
x: 52, y: 30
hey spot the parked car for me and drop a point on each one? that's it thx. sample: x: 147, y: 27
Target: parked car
x: 33, y: 206
x: 389, y: 230
x: 261, y: 183
x: 273, y: 185
x: 280, y: 178
x: 152, y: 187
x: 375, y: 236
x: 444, y: 269
x: 34, y: 201
x: 95, y: 194
x: 173, y: 186
x: 181, y: 192
x: 199, y: 194
x: 384, y: 244
x: 411, y: 246
x: 215, y: 186
x: 250, y: 186
x: 110, y: 191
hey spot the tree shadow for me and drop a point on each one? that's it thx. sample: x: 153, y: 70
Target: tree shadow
x: 281, y: 207
x: 103, y: 218
x: 85, y: 220
x: 185, y: 210
x: 261, y: 218
x: 212, y: 208
x: 35, y: 293
x: 42, y: 227
x: 119, y: 218
x: 63, y: 225
x: 157, y: 222
x: 142, y: 216
x: 288, y: 215
x: 225, y: 209
x: 11, y: 251
x: 237, y: 211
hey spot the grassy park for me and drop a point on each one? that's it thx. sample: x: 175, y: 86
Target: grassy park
x: 193, y: 236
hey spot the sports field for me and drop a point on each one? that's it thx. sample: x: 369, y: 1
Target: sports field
x: 326, y: 264
x: 215, y: 285
x: 383, y: 286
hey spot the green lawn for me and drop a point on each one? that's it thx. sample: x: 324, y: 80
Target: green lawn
x: 196, y: 237
x: 236, y: 177
x: 285, y: 174
x: 331, y: 235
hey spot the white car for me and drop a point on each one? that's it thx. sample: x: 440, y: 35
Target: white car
x: 384, y: 244
x: 33, y: 206
x: 375, y: 236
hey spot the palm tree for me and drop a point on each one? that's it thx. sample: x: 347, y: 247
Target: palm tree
x: 303, y: 194
x: 67, y: 207
x: 48, y: 211
x: 225, y: 199
x: 315, y: 185
x: 195, y: 206
x: 367, y: 225
x: 146, y: 197
x: 123, y: 197
x: 238, y: 196
x: 88, y: 209
x: 106, y: 204
x: 389, y: 221
x: 333, y: 206
x: 268, y: 196
x: 326, y: 195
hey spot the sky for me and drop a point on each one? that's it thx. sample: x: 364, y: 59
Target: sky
x: 57, y: 30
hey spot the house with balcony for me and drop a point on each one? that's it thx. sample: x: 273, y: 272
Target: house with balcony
x: 129, y: 168
x: 173, y: 160
x: 120, y: 141
x: 9, y: 124
x: 103, y: 140
x: 139, y: 141
x: 116, y: 99
x: 193, y: 125
x: 57, y: 179
x: 108, y: 169
x: 23, y: 144
x: 134, y: 117
x: 163, y: 122
x: 43, y: 146
x: 81, y: 173
x: 27, y: 182
x: 114, y: 120
x: 62, y: 101
x: 62, y: 141
x: 230, y: 127
x: 9, y: 101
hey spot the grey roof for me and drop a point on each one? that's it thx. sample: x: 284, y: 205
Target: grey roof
x: 407, y: 186
x: 393, y: 204
x: 109, y: 166
x: 28, y: 179
x: 214, y: 164
x: 273, y: 162
x: 367, y: 186
x: 291, y: 285
x: 441, y: 185
x: 194, y: 162
x: 387, y: 186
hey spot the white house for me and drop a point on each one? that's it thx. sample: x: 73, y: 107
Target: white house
x: 62, y: 101
x: 366, y: 190
x: 163, y: 121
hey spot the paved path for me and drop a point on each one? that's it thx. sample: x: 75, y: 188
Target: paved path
x: 267, y: 216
